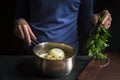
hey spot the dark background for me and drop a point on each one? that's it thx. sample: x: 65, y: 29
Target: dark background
x: 10, y: 44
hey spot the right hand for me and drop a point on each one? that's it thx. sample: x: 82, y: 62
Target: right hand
x: 23, y: 31
x: 106, y: 22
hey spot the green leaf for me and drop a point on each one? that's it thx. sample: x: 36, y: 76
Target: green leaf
x: 97, y: 42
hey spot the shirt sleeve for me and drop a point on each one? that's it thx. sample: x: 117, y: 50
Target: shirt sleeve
x: 85, y: 14
x: 22, y: 9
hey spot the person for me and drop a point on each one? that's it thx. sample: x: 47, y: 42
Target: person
x: 56, y: 20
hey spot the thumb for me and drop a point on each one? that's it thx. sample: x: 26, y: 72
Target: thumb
x: 95, y: 19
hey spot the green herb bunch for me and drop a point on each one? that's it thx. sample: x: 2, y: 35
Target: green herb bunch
x: 98, y: 42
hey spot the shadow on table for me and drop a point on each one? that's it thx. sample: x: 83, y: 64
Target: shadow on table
x: 26, y: 70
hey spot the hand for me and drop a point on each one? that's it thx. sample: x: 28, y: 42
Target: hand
x: 23, y: 31
x: 106, y: 22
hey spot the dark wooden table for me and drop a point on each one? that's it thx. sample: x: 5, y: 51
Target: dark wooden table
x: 93, y: 71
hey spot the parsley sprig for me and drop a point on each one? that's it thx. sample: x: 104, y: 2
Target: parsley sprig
x: 98, y: 42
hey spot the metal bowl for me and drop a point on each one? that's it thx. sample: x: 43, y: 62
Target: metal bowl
x: 54, y: 68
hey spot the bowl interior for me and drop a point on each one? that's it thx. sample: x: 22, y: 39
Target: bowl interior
x: 43, y: 48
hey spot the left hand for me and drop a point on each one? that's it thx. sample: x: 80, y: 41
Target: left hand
x: 106, y: 20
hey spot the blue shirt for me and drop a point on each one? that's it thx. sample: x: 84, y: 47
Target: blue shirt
x: 56, y: 20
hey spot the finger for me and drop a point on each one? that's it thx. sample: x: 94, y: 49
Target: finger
x: 110, y: 18
x: 27, y: 35
x: 95, y: 19
x: 20, y: 32
x: 106, y: 16
x: 107, y: 24
x: 32, y: 34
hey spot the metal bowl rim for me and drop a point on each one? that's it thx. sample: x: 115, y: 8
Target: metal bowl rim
x: 58, y: 43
